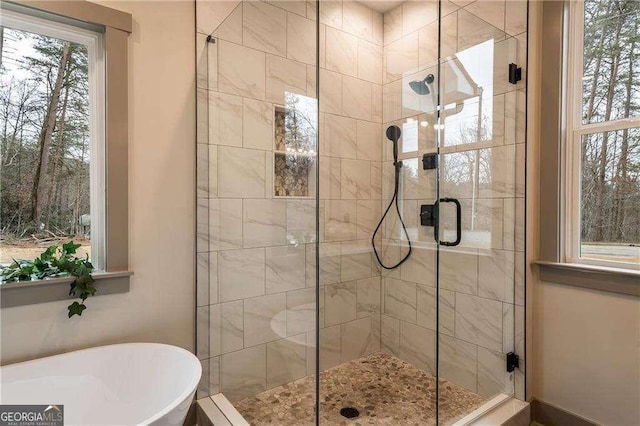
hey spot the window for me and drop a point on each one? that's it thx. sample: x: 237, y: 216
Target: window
x: 52, y: 135
x: 95, y: 137
x: 602, y: 168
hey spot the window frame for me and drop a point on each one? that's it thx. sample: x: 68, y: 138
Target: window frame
x: 93, y: 41
x: 575, y: 131
x: 115, y: 26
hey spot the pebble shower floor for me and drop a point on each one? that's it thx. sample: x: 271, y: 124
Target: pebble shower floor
x: 384, y: 389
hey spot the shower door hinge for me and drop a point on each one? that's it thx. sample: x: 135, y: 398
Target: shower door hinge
x: 513, y: 362
x: 515, y: 73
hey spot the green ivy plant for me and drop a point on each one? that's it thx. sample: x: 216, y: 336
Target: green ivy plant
x: 56, y: 262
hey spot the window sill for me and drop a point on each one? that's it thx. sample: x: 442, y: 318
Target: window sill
x: 54, y: 289
x: 614, y: 280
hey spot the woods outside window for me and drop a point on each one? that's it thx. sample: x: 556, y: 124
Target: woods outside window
x: 52, y: 106
x: 67, y: 67
x: 602, y: 167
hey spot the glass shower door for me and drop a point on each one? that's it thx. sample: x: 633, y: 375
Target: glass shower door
x: 478, y: 200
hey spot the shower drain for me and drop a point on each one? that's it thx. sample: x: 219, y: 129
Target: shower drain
x: 349, y: 412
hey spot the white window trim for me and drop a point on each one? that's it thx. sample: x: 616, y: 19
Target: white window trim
x: 575, y: 131
x: 95, y: 46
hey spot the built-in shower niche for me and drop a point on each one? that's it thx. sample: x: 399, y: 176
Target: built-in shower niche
x: 295, y: 147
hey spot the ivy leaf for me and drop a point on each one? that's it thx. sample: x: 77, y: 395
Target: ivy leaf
x: 70, y: 248
x: 49, y: 253
x: 76, y: 309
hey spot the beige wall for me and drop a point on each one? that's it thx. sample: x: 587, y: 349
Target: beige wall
x: 587, y: 352
x: 583, y: 345
x: 160, y: 306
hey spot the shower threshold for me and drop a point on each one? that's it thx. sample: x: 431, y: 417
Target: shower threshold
x: 383, y: 389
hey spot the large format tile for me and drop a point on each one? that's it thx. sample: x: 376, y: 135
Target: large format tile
x: 231, y: 28
x: 330, y: 263
x: 257, y: 124
x: 202, y: 332
x: 356, y: 260
x: 340, y: 302
x: 420, y: 267
x: 301, y: 39
x: 356, y: 95
x: 342, y: 52
x: 286, y: 360
x: 368, y: 215
x: 369, y: 62
x: 417, y: 14
x: 330, y: 92
x: 457, y: 362
x: 202, y: 279
x: 225, y: 119
x: 369, y: 140
x: 401, y: 57
x: 284, y: 76
x: 265, y: 27
x: 496, y: 272
x: 418, y: 346
x: 330, y: 341
x: 389, y: 335
x: 479, y: 321
x: 340, y: 138
x: 241, y: 273
x: 472, y: 30
x: 301, y: 311
x: 491, y: 373
x: 427, y: 309
x: 368, y: 297
x: 210, y: 14
x: 226, y: 327
x: 264, y: 222
x: 243, y: 373
x: 459, y: 271
x: 357, y: 19
x: 241, y: 173
x: 202, y: 170
x: 331, y: 13
x: 400, y: 299
x: 355, y: 179
x: 301, y: 221
x: 225, y: 224
x: 340, y: 220
x: 202, y: 225
x: 358, y: 339
x: 241, y: 71
x: 213, y: 278
x: 489, y: 11
x: 285, y: 268
x: 264, y: 319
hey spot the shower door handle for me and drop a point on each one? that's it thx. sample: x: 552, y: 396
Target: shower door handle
x: 458, y: 224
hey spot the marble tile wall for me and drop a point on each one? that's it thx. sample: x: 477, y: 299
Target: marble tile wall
x: 256, y: 252
x: 481, y: 281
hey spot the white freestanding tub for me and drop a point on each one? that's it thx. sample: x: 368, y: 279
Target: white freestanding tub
x: 126, y: 384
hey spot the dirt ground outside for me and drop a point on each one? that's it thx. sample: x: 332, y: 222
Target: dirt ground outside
x: 29, y: 249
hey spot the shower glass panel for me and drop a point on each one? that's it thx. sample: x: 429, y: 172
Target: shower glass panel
x: 360, y: 238
x: 257, y: 208
x: 478, y: 195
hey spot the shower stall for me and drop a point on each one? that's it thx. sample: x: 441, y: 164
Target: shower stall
x: 360, y: 218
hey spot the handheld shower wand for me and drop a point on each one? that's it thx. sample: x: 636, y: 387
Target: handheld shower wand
x: 393, y: 134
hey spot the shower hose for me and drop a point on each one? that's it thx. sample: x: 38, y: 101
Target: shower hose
x: 393, y: 133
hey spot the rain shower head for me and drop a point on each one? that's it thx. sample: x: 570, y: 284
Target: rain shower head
x: 421, y: 87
